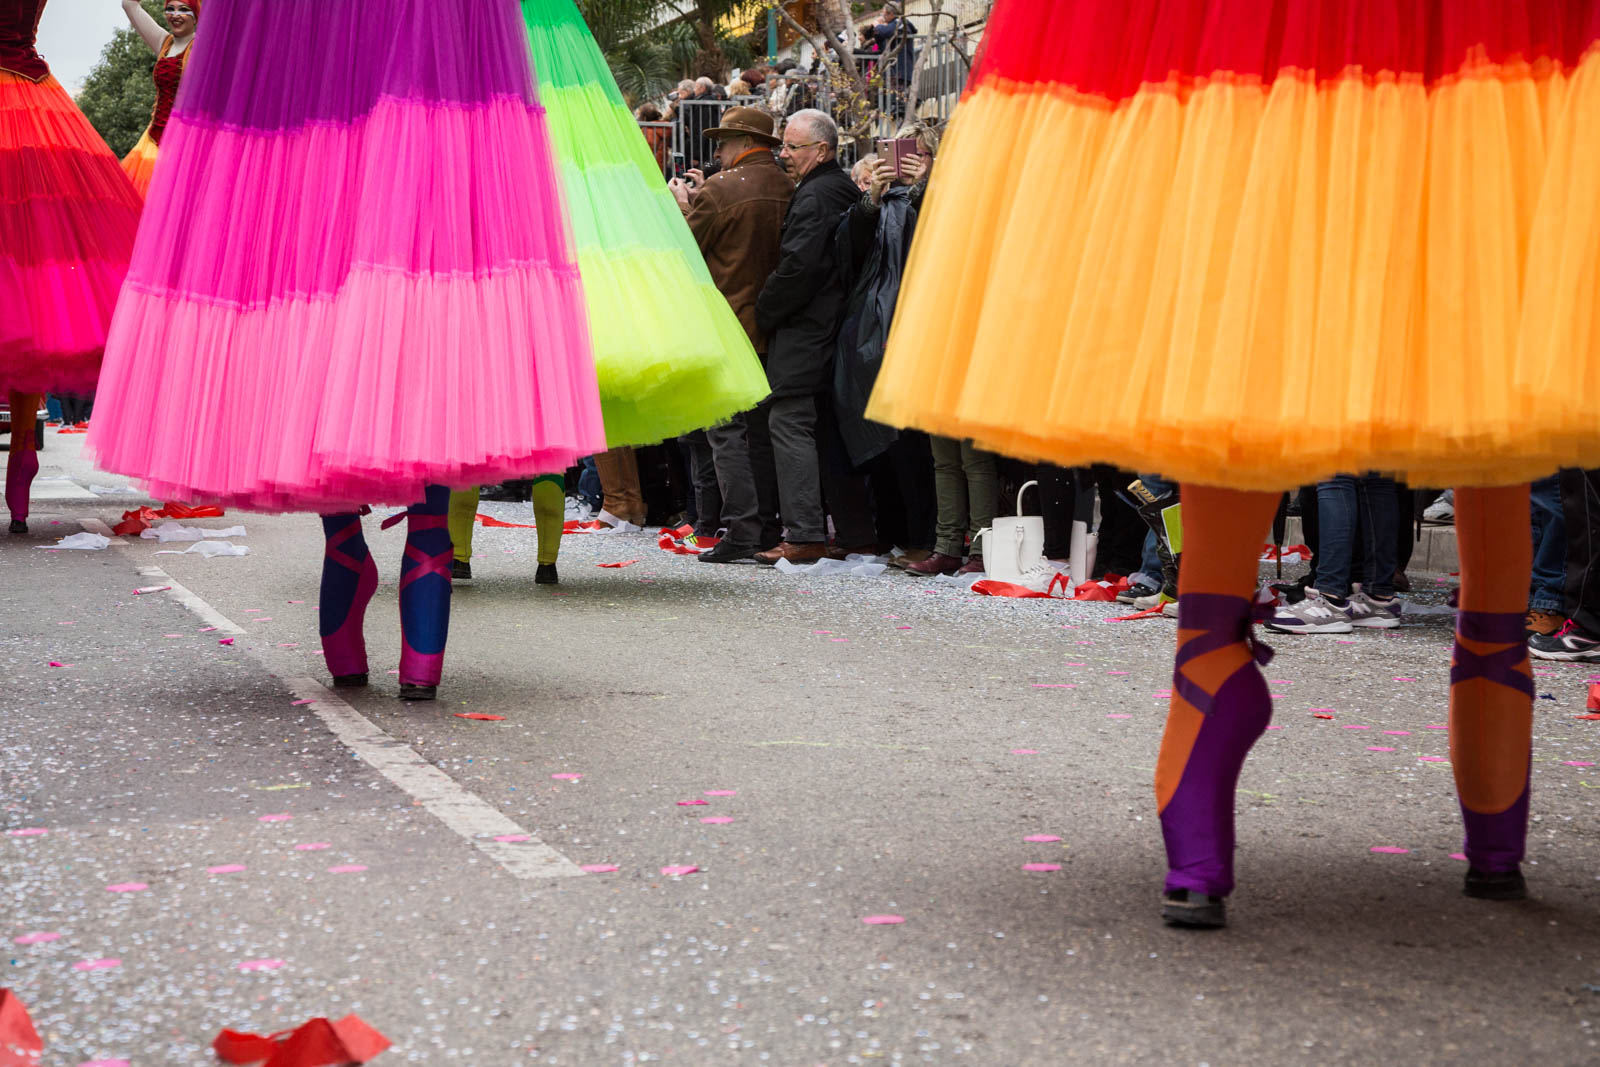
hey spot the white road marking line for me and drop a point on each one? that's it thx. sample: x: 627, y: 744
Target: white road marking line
x: 463, y: 811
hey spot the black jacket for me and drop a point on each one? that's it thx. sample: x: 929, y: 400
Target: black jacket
x: 871, y: 246
x: 800, y: 304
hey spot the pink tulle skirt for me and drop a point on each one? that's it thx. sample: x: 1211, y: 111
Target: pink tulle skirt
x: 341, y: 300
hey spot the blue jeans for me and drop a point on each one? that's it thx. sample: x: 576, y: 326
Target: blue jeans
x: 1150, y: 562
x: 1549, y: 547
x: 589, y: 490
x: 1346, y: 506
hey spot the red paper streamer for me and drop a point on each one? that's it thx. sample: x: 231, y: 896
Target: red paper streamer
x: 315, y: 1043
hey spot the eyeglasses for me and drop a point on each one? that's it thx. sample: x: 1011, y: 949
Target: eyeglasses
x: 793, y: 148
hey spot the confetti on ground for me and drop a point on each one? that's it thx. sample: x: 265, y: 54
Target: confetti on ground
x: 512, y: 839
x: 280, y: 817
x: 1041, y: 866
x: 1432, y: 759
x: 1399, y: 679
x: 1117, y: 715
x: 1041, y: 839
x: 96, y: 965
x: 260, y: 965
x: 1353, y: 726
x: 1378, y: 748
x: 624, y: 563
x: 1577, y: 763
x: 301, y: 703
x: 599, y: 868
x: 676, y: 871
x: 31, y: 831
x: 1024, y: 752
x: 312, y: 846
x: 227, y: 868
x: 480, y: 716
x: 567, y: 776
x: 151, y: 589
x: 1462, y: 856
x: 53, y: 663
x: 1398, y: 733
x: 722, y: 792
x: 1320, y: 715
x: 347, y: 868
x: 883, y: 920
x: 127, y: 887
x: 225, y: 641
x: 39, y: 937
x: 690, y: 803
x: 1390, y: 850
x: 716, y: 820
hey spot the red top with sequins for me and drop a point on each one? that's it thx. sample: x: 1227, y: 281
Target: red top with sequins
x: 167, y: 75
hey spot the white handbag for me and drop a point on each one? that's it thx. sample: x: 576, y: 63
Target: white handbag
x: 1014, y: 544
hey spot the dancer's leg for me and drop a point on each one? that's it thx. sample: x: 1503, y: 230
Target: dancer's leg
x: 463, y: 515
x: 425, y: 595
x: 23, y: 461
x: 349, y: 578
x: 1220, y: 704
x: 549, y: 514
x: 1491, y: 687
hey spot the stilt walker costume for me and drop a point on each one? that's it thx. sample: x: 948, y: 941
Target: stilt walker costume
x: 1290, y: 238
x: 67, y: 223
x: 372, y: 295
x: 140, y: 163
x: 669, y: 352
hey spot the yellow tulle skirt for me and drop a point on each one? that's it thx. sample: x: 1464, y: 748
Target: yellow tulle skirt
x: 1258, y: 284
x: 140, y: 163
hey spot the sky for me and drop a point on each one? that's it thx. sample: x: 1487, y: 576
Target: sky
x: 72, y: 34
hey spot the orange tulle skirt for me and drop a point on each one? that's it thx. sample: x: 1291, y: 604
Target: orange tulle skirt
x: 1259, y: 262
x: 140, y: 164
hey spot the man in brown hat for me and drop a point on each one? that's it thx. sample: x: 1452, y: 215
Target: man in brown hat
x: 737, y: 216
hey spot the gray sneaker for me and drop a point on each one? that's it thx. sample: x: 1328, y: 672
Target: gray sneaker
x: 1313, y: 615
x: 1372, y: 613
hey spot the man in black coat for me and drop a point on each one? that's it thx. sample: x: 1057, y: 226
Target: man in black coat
x: 799, y: 310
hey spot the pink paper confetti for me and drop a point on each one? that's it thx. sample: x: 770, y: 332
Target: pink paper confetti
x: 226, y: 868
x: 512, y: 839
x: 301, y: 703
x: 1345, y: 641
x: 1436, y: 726
x: 96, y: 965
x: 1116, y: 672
x: 722, y: 792
x: 822, y: 631
x: 32, y: 831
x: 347, y: 868
x: 1398, y: 733
x: 1054, y: 685
x: 312, y: 846
x: 260, y: 965
x: 883, y: 920
x: 280, y: 817
x: 1024, y: 752
x: 1378, y: 748
x: 676, y: 871
x: 1117, y: 715
x: 105, y: 1063
x: 566, y: 776
x: 1577, y: 763
x: 1432, y: 759
x: 207, y: 629
x: 55, y: 663
x: 1041, y: 866
x: 1462, y: 856
x: 264, y: 618
x: 151, y: 589
x: 171, y: 635
x: 1279, y: 681
x: 1323, y: 711
x: 839, y: 640
x: 902, y: 627
x: 252, y: 611
x: 38, y: 938
x: 1274, y: 727
x: 297, y: 602
x: 225, y: 641
x: 127, y: 887
x: 716, y: 820
x: 288, y: 644
x: 1041, y: 839
x: 690, y: 803
x: 1400, y: 679
x: 1352, y: 726
x: 599, y: 868
x: 1390, y: 850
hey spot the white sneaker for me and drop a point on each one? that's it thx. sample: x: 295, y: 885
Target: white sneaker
x: 1442, y: 510
x: 1313, y: 615
x: 617, y: 525
x: 1372, y: 613
x: 1156, y: 599
x: 1169, y: 610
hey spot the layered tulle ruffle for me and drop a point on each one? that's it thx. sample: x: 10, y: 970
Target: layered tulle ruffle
x: 354, y: 277
x: 140, y: 164
x: 1258, y: 242
x: 669, y: 352
x: 67, y: 224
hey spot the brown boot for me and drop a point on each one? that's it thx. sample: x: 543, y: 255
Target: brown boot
x: 1543, y: 622
x: 938, y: 563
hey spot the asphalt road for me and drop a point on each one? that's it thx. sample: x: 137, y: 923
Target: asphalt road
x: 884, y: 745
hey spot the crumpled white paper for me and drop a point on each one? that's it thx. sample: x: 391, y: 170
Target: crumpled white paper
x: 855, y: 564
x: 177, y: 531
x: 86, y: 541
x: 208, y: 549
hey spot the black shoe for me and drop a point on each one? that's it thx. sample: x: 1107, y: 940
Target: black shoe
x: 728, y: 552
x: 1568, y: 643
x: 1184, y: 907
x: 350, y: 681
x: 1135, y: 591
x: 1483, y: 885
x: 418, y: 692
x: 460, y: 570
x: 546, y: 575
x: 19, y: 525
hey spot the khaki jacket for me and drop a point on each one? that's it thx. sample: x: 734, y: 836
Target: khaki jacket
x: 737, y: 219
